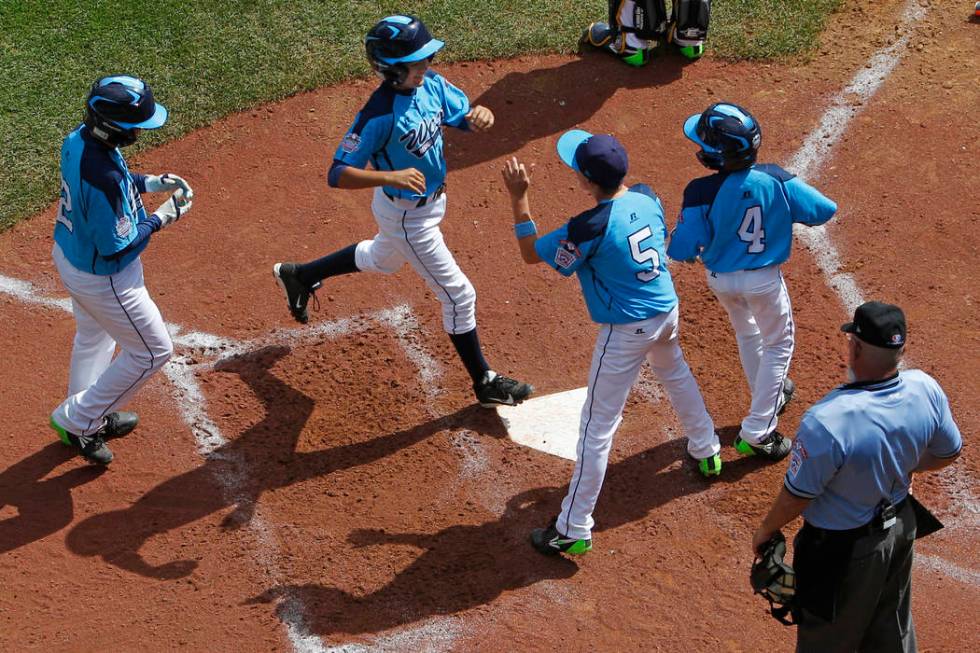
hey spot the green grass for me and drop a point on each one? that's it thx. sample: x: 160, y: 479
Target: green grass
x: 208, y: 58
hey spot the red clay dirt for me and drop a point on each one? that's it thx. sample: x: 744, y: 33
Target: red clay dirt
x: 367, y: 499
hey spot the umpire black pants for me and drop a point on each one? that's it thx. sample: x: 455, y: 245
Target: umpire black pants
x: 855, y: 592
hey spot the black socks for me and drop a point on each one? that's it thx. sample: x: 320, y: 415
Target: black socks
x: 468, y: 347
x: 331, y: 265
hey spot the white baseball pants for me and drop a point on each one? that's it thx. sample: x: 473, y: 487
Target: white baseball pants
x: 109, y: 310
x: 410, y: 233
x: 619, y: 352
x: 758, y: 306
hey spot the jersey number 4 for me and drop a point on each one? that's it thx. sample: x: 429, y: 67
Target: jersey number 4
x: 641, y: 256
x: 64, y: 207
x: 751, y: 231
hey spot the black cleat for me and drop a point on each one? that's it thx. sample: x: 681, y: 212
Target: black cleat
x: 550, y: 542
x: 92, y: 447
x: 498, y: 390
x: 297, y: 292
x: 119, y: 424
x: 775, y: 447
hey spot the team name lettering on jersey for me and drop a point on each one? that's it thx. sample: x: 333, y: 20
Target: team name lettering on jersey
x: 419, y: 140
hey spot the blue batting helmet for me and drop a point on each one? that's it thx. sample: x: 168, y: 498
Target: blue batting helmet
x: 117, y: 105
x: 728, y: 135
x: 398, y: 40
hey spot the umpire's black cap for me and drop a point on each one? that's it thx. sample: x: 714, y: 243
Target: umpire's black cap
x: 878, y: 324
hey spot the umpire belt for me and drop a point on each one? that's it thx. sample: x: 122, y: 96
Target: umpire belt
x: 853, y: 534
x: 412, y: 203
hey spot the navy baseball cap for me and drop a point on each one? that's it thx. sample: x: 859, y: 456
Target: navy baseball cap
x: 601, y: 158
x: 878, y: 324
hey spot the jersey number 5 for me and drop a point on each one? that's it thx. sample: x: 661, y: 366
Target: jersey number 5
x: 641, y: 256
x: 751, y: 230
x: 64, y: 207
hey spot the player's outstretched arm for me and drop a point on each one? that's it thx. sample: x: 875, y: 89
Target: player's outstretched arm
x: 408, y: 179
x: 517, y: 180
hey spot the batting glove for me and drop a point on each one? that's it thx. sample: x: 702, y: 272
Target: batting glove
x: 174, y: 208
x: 167, y: 182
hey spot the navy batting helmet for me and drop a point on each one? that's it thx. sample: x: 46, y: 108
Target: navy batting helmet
x: 398, y: 40
x: 118, y: 105
x: 728, y: 135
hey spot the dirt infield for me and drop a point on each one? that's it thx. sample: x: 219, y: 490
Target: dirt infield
x: 334, y: 487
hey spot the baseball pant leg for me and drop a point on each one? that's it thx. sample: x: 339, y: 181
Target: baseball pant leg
x: 121, y: 305
x: 667, y: 361
x: 891, y: 627
x: 91, y: 352
x: 770, y: 304
x: 747, y: 334
x: 421, y: 243
x: 380, y: 254
x: 616, y: 361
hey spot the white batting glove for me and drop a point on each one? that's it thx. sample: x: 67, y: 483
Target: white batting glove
x: 167, y: 182
x: 174, y: 208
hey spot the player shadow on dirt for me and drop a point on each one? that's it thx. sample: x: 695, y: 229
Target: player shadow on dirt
x: 547, y: 101
x: 465, y: 566
x: 43, y: 506
x: 235, y: 475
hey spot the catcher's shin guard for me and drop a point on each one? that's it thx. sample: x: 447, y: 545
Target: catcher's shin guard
x: 689, y: 30
x: 603, y: 37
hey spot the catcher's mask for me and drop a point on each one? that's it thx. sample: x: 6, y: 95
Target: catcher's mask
x: 774, y: 579
x: 117, y: 106
x: 398, y: 40
x: 728, y: 135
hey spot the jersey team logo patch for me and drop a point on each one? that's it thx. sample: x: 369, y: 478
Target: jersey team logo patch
x: 350, y: 143
x: 123, y: 226
x: 566, y: 254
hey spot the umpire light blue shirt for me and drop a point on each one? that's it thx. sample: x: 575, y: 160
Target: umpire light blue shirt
x: 859, y: 444
x: 100, y: 206
x: 397, y: 130
x: 617, y: 250
x: 743, y: 220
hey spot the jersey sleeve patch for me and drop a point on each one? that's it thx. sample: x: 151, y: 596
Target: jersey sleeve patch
x: 351, y: 143
x: 566, y: 254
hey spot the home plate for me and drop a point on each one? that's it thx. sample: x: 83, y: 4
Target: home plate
x: 549, y: 423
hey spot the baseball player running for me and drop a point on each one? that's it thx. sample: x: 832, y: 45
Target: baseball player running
x: 399, y: 132
x: 101, y: 229
x: 635, y: 27
x: 739, y: 222
x: 617, y: 250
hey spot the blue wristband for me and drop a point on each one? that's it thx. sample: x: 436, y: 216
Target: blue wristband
x: 525, y: 229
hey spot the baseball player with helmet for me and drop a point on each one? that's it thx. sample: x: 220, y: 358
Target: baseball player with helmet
x: 739, y: 222
x: 399, y: 132
x: 101, y: 229
x: 617, y: 250
x: 636, y: 26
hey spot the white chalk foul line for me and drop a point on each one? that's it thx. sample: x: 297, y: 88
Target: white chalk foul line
x: 192, y: 404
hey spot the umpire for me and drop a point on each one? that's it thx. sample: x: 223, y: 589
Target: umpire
x: 849, y: 476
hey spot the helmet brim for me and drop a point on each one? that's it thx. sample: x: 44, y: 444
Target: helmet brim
x: 158, y: 118
x: 568, y: 144
x: 691, y: 131
x: 424, y: 52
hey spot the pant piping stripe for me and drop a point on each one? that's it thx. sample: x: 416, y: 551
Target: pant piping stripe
x: 588, y: 422
x: 422, y: 263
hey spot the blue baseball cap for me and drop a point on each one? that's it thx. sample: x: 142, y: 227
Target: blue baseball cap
x: 600, y: 157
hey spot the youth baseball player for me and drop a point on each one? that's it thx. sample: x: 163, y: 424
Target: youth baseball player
x: 101, y: 229
x: 399, y: 132
x: 636, y: 26
x: 739, y: 222
x: 617, y: 250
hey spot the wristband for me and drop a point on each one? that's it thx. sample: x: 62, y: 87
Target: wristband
x: 525, y: 229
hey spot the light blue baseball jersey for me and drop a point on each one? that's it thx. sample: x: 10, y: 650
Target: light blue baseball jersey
x: 397, y: 130
x: 743, y: 220
x: 100, y: 206
x: 617, y: 250
x: 859, y: 444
